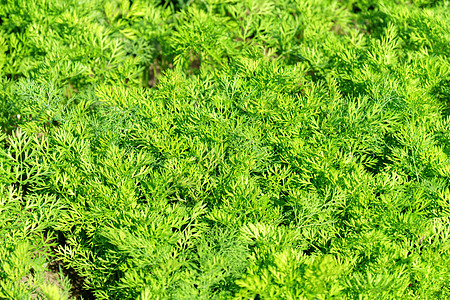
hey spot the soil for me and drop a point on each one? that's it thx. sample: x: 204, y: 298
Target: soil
x: 78, y: 291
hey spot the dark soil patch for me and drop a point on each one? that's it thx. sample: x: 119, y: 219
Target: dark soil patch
x: 78, y: 291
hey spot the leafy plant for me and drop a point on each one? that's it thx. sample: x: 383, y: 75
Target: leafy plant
x: 224, y: 149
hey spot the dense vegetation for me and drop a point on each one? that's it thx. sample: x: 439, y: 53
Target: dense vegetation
x: 225, y: 149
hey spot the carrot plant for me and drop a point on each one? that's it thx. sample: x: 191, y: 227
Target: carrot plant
x: 256, y: 149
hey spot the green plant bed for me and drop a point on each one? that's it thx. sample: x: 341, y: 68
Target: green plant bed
x: 224, y: 149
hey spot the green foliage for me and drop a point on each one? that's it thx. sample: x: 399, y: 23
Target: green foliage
x: 25, y: 246
x: 225, y: 149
